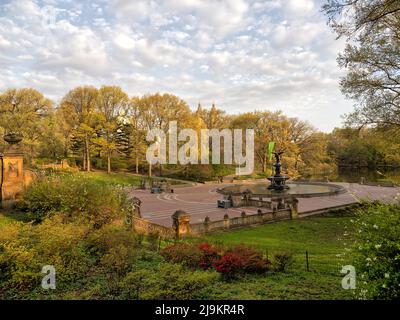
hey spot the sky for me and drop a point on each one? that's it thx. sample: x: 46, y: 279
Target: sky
x: 241, y: 55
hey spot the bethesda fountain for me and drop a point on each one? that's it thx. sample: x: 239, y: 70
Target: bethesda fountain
x: 278, y: 181
x: 279, y: 190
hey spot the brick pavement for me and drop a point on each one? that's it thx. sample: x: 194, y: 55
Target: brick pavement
x: 201, y: 200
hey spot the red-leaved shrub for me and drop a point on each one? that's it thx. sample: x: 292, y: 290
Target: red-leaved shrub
x: 234, y: 261
x: 209, y: 255
x: 253, y: 259
x: 230, y: 265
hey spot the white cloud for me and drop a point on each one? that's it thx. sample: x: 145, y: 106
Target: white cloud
x: 241, y: 54
x: 300, y: 7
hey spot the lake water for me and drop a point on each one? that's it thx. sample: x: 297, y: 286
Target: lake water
x: 369, y: 175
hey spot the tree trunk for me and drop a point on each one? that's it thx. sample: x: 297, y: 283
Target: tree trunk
x: 149, y: 169
x: 84, y: 159
x: 108, y: 163
x: 137, y: 165
x: 87, y: 154
x: 264, y: 163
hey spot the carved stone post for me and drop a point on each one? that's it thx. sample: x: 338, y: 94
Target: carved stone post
x: 12, y: 171
x: 206, y: 224
x: 226, y: 221
x: 260, y: 215
x: 243, y: 216
x: 294, y: 208
x: 181, y: 223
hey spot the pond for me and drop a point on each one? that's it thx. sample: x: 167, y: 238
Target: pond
x: 355, y: 174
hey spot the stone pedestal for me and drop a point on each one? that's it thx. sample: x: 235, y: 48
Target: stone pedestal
x: 181, y: 223
x: 12, y: 178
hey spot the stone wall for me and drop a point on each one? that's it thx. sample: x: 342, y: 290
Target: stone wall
x: 245, y: 220
x: 182, y: 227
x: 146, y: 227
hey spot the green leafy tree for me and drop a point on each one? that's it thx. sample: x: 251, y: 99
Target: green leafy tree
x: 78, y: 108
x: 371, y: 56
x: 22, y: 111
x: 111, y: 106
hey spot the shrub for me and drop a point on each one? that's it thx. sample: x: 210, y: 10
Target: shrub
x: 184, y: 253
x: 232, y: 262
x: 282, y: 260
x: 77, y: 196
x: 25, y: 249
x: 153, y: 239
x: 242, y: 259
x: 167, y: 281
x: 208, y: 256
x: 230, y: 265
x: 101, y: 241
x: 253, y: 259
x: 192, y: 255
x: 376, y: 251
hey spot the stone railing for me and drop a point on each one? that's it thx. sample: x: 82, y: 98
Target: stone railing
x: 244, y: 220
x: 146, y: 227
x: 247, y: 200
x: 181, y: 226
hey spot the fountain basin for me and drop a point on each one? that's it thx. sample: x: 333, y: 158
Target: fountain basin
x: 296, y: 189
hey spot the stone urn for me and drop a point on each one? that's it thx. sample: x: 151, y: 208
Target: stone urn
x: 13, y: 139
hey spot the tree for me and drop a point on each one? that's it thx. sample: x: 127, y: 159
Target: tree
x: 213, y: 118
x: 301, y: 133
x: 78, y: 110
x: 22, y: 111
x: 111, y: 105
x: 156, y: 111
x: 135, y: 132
x: 372, y: 57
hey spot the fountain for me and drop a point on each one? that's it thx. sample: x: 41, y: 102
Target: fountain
x: 278, y: 189
x: 278, y: 181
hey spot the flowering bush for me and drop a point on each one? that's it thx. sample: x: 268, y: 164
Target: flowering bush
x: 376, y: 251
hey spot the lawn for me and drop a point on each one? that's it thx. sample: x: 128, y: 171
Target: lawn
x: 115, y: 178
x: 121, y: 178
x: 319, y: 236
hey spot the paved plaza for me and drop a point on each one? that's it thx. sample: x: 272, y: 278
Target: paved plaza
x: 200, y: 201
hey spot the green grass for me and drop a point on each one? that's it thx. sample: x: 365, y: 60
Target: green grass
x: 319, y: 236
x: 117, y: 178
x: 114, y: 178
